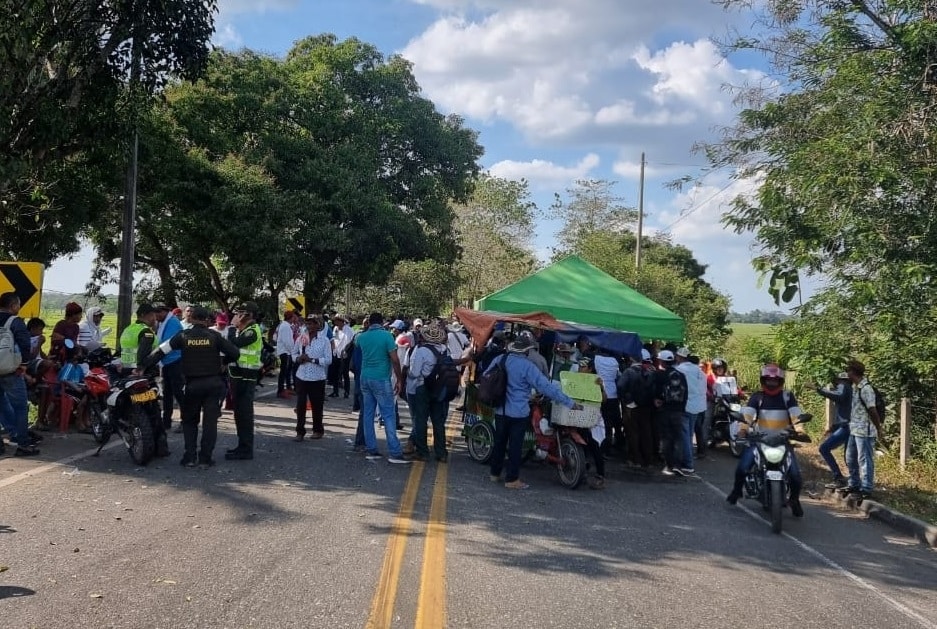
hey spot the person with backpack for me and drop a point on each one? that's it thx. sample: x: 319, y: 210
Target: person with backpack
x: 670, y: 398
x: 432, y: 382
x: 14, y: 354
x: 636, y: 390
x: 772, y: 410
x: 511, y: 403
x: 865, y: 424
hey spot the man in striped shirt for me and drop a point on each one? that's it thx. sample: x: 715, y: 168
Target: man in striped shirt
x: 771, y: 410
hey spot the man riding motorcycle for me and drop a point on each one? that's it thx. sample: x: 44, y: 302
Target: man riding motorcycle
x: 771, y: 410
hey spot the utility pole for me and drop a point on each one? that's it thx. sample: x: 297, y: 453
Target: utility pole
x: 637, y: 247
x: 125, y: 296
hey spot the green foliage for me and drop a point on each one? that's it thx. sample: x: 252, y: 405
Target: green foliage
x: 758, y: 317
x: 64, y: 65
x: 843, y: 157
x: 323, y: 168
x: 590, y: 206
x: 494, y: 228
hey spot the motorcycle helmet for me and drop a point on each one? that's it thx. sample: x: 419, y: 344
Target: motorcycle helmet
x: 720, y: 362
x: 771, y: 371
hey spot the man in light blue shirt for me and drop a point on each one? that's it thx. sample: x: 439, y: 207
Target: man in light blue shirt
x: 171, y: 365
x: 513, y: 418
x: 695, y: 412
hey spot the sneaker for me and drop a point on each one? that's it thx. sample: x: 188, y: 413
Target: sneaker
x: 865, y: 495
x: 687, y: 471
x: 596, y: 482
x: 398, y: 460
x: 676, y: 471
x: 838, y: 483
x: 733, y: 497
x: 239, y: 455
x: 667, y: 471
x: 188, y: 461
x: 373, y: 456
x: 358, y: 449
x: 204, y: 464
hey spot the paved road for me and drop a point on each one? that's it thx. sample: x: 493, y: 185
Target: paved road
x: 311, y: 535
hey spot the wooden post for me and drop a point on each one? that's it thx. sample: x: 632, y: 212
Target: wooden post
x: 830, y: 410
x: 905, y: 439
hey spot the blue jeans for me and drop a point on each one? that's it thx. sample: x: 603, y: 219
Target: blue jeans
x: 14, y: 409
x: 509, y: 435
x: 689, y: 429
x: 860, y: 459
x: 837, y: 438
x: 379, y: 394
x: 748, y: 459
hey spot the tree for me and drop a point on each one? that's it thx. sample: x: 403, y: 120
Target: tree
x: 591, y: 206
x: 844, y: 161
x: 322, y: 168
x: 63, y: 67
x: 494, y: 228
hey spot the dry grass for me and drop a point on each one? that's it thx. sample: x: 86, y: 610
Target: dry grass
x: 912, y: 491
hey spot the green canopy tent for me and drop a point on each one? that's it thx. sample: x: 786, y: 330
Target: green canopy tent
x: 573, y: 290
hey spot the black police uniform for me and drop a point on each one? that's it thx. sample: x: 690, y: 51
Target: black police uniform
x: 202, y: 351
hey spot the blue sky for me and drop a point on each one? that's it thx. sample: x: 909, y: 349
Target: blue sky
x: 559, y: 90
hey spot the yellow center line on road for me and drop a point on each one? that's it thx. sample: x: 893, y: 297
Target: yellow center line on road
x: 431, y: 605
x: 382, y: 605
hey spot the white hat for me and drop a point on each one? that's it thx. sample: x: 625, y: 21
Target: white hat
x: 683, y: 352
x: 645, y: 355
x: 417, y: 322
x: 665, y: 355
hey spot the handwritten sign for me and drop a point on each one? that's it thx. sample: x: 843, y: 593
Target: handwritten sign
x: 581, y: 386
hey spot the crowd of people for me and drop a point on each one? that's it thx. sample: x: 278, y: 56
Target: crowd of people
x: 656, y: 407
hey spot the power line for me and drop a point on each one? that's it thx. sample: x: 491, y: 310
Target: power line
x: 688, y: 212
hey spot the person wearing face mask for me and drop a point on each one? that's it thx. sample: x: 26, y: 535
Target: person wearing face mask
x: 771, y: 410
x: 90, y: 334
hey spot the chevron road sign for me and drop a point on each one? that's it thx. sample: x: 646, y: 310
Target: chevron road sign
x: 24, y: 279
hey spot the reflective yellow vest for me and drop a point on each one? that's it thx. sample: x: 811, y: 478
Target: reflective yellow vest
x: 250, y: 355
x: 130, y: 343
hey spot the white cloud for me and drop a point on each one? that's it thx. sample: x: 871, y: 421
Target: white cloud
x: 563, y: 70
x: 545, y: 174
x: 226, y: 36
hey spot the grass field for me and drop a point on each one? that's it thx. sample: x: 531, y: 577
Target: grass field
x: 53, y: 317
x: 744, y: 330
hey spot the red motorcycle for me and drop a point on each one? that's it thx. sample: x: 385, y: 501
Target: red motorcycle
x: 98, y: 388
x: 560, y: 446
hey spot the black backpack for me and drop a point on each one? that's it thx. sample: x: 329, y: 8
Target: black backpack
x: 493, y: 384
x: 444, y: 381
x: 675, y: 388
x: 880, y: 405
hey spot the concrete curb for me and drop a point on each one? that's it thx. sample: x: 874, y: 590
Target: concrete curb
x: 920, y: 530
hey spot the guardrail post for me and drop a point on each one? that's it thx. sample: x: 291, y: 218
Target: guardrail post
x: 904, y: 452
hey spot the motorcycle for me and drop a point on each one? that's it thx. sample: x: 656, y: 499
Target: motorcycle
x: 768, y: 481
x: 126, y: 406
x: 560, y: 446
x: 726, y: 420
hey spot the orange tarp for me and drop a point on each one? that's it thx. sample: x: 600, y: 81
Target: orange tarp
x: 481, y: 324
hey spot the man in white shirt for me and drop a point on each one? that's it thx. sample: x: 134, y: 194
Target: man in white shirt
x: 695, y: 413
x: 606, y: 367
x: 284, y: 349
x: 342, y: 338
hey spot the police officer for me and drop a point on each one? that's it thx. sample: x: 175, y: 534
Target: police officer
x: 244, y: 376
x: 137, y: 342
x: 202, y: 351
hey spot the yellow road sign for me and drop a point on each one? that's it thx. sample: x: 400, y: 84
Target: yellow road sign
x: 24, y: 279
x: 297, y: 304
